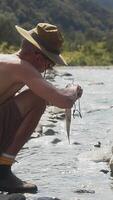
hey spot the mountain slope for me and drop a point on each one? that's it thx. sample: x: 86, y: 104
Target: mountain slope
x: 71, y: 15
x: 106, y: 3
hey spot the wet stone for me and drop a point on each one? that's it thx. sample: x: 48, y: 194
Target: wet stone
x: 98, y: 144
x: 82, y: 191
x: 49, y: 132
x: 55, y: 141
x: 12, y: 197
x: 76, y: 143
x: 67, y: 74
x: 60, y: 116
x: 105, y: 171
x: 48, y: 198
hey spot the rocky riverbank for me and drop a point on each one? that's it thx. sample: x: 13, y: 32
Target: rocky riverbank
x: 79, y: 170
x: 22, y: 197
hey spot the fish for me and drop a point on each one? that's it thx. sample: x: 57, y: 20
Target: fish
x: 68, y: 113
x: 68, y: 122
x: 68, y: 119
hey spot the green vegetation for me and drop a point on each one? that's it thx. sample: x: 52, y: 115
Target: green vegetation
x: 106, y: 3
x: 90, y: 54
x: 87, y: 26
x: 6, y: 48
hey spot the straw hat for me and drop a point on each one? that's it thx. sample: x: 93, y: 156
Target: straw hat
x: 47, y: 38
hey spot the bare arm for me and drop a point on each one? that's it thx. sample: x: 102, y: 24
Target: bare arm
x: 63, y: 98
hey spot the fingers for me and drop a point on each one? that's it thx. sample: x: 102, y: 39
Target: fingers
x: 75, y: 91
x: 79, y: 91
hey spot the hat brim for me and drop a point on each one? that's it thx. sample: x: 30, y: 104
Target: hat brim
x: 56, y: 58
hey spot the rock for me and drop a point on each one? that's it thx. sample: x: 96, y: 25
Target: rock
x: 81, y: 191
x: 49, y: 132
x: 98, y: 144
x: 12, y: 197
x: 60, y: 116
x: 67, y: 74
x: 48, y: 198
x: 105, y: 171
x: 55, y: 141
x: 76, y: 143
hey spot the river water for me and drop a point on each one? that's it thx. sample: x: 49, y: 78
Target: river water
x: 77, y: 171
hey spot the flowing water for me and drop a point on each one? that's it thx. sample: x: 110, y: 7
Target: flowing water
x: 75, y: 171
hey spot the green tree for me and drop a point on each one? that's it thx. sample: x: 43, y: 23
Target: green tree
x: 7, y: 28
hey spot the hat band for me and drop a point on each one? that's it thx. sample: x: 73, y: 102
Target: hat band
x: 45, y: 44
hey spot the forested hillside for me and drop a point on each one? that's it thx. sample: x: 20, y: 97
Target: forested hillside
x: 106, y: 3
x: 81, y: 19
x: 87, y: 26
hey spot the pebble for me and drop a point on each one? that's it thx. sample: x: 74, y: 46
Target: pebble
x: 22, y: 197
x: 55, y: 141
x: 48, y: 198
x: 98, y: 144
x: 81, y: 191
x: 105, y: 171
x: 49, y: 132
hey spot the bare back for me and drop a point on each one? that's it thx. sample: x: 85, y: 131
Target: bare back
x: 8, y: 86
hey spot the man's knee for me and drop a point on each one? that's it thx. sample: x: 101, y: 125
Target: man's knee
x: 40, y: 104
x: 27, y: 101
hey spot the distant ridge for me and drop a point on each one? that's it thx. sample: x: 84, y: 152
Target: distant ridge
x: 71, y: 15
x: 106, y: 3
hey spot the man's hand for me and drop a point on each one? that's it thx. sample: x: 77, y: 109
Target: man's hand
x: 79, y: 91
x: 75, y: 91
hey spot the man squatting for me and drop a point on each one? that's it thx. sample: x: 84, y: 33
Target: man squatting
x: 20, y: 114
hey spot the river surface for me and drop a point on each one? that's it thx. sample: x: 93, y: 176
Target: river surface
x: 75, y: 171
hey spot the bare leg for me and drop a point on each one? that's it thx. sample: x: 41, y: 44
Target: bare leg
x: 31, y: 108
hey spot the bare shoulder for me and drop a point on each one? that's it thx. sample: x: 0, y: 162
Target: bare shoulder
x: 8, y: 62
x: 18, y: 68
x: 25, y: 71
